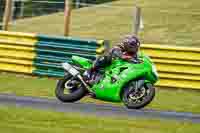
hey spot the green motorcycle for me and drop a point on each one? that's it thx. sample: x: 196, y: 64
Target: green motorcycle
x: 122, y: 81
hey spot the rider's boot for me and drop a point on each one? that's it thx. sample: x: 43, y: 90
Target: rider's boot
x: 87, y: 75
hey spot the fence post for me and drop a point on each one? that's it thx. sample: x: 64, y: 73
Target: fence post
x: 21, y: 9
x: 67, y: 15
x: 77, y: 4
x: 7, y: 14
x: 137, y: 20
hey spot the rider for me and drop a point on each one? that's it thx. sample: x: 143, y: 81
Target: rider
x: 126, y: 50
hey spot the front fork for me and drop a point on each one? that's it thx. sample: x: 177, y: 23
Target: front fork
x: 84, y: 83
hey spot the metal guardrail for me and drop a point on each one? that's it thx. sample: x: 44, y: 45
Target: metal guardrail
x: 43, y: 55
x: 178, y: 67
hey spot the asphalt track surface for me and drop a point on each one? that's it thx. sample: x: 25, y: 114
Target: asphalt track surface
x: 99, y: 110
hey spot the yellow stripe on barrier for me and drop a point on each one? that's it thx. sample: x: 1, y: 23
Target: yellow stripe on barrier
x: 176, y: 76
x: 16, y: 61
x: 17, y: 51
x: 178, y: 68
x: 100, y: 50
x: 173, y: 80
x: 187, y: 67
x: 177, y: 62
x: 23, y: 48
x: 8, y: 33
x: 100, y: 42
x: 10, y: 42
x: 171, y: 53
x: 17, y: 68
x: 18, y: 37
x: 178, y: 83
x: 169, y: 48
x: 17, y: 54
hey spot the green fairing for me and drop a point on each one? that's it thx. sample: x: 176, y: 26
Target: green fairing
x: 108, y: 90
x: 83, y: 62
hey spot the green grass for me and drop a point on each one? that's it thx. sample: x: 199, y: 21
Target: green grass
x: 166, y: 22
x: 26, y: 120
x: 172, y: 100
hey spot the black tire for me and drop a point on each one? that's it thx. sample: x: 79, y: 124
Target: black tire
x: 71, y: 97
x: 147, y: 98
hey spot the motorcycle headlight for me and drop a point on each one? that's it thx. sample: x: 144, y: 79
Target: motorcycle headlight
x: 154, y: 70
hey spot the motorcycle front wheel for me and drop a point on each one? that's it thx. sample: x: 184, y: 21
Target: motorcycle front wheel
x: 139, y: 99
x: 69, y: 89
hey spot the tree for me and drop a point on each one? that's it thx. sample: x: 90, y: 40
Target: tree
x: 2, y: 6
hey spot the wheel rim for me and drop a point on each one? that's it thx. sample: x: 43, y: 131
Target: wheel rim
x: 137, y: 97
x: 69, y: 87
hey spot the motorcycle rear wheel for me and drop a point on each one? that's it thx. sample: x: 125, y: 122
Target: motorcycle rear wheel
x: 74, y: 95
x: 139, y: 103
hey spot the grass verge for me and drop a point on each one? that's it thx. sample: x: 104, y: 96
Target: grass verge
x: 171, y: 100
x: 165, y: 22
x: 26, y: 120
